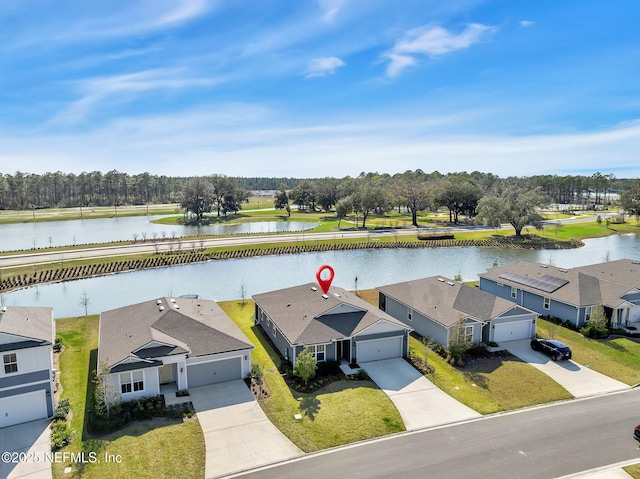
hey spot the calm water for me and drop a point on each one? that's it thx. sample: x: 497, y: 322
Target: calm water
x: 64, y: 233
x: 226, y: 280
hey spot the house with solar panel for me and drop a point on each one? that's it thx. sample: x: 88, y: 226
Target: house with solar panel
x: 571, y: 294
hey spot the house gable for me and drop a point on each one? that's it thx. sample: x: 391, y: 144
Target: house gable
x: 383, y: 326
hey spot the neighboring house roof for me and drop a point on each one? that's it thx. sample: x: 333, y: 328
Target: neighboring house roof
x: 33, y: 326
x: 604, y: 283
x: 446, y: 301
x: 165, y: 327
x: 305, y: 316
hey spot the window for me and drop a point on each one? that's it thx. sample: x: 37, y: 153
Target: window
x: 587, y: 312
x: 274, y: 330
x: 514, y: 292
x: 318, y: 351
x: 10, y: 363
x: 465, y: 335
x: 547, y: 303
x: 410, y: 314
x: 382, y: 302
x: 131, y: 382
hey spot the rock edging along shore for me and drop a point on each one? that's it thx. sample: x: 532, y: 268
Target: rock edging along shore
x: 60, y: 274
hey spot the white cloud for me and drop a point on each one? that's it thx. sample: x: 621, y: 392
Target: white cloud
x: 431, y: 41
x: 526, y: 23
x: 331, y: 9
x: 124, y: 88
x: 319, y: 67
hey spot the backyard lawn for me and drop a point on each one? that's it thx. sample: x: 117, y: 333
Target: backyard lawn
x: 148, y: 449
x: 340, y: 413
x: 618, y: 358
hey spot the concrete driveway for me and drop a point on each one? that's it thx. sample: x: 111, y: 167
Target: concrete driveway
x: 32, y: 438
x: 420, y: 403
x: 578, y: 380
x: 237, y: 433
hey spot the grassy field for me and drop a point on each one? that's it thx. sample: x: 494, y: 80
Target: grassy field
x: 148, y: 449
x: 341, y: 413
x: 618, y: 358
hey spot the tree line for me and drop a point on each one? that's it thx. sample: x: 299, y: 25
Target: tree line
x: 460, y: 193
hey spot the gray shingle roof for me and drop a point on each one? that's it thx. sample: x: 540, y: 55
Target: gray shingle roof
x: 35, y: 324
x: 446, y: 301
x: 169, y: 326
x: 304, y: 316
x: 603, y: 283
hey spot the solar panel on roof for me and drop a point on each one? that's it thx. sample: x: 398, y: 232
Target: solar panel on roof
x: 546, y: 283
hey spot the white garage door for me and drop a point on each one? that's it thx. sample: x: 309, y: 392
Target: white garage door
x: 512, y: 331
x: 378, y: 349
x: 23, y: 408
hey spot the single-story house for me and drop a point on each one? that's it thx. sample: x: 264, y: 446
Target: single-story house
x: 27, y: 377
x: 336, y: 326
x: 570, y: 294
x: 433, y: 306
x: 187, y: 341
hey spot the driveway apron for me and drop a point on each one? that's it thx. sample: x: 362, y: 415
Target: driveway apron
x: 580, y: 381
x: 34, y: 440
x: 420, y: 403
x: 237, y: 433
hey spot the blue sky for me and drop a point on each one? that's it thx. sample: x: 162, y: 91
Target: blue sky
x: 313, y: 88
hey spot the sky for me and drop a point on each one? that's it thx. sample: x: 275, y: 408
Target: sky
x: 317, y: 88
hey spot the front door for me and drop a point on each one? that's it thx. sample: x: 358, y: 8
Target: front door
x: 166, y: 374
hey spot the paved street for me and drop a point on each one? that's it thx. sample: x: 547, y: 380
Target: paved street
x: 535, y: 443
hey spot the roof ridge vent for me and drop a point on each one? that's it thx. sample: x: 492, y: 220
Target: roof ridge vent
x: 441, y: 280
x: 543, y: 266
x: 325, y: 296
x: 313, y: 288
x: 159, y: 302
x: 160, y: 308
x: 563, y: 270
x: 450, y: 283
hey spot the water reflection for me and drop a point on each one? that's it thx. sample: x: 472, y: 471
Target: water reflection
x: 226, y: 280
x: 64, y: 233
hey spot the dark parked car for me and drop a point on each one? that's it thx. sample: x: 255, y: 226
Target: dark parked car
x: 556, y: 349
x: 636, y: 433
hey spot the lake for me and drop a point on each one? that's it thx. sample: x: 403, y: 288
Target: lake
x: 231, y: 279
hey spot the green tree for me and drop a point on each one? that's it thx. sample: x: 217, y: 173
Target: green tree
x: 459, y: 195
x: 305, y: 367
x: 630, y: 198
x: 514, y: 202
x: 282, y: 200
x: 198, y: 197
x: 597, y: 324
x: 105, y: 394
x: 459, y: 343
x: 414, y: 192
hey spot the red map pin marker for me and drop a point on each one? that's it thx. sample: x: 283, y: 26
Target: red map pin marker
x: 325, y: 284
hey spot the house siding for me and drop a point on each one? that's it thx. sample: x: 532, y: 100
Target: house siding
x: 534, y: 301
x: 30, y: 375
x: 420, y: 324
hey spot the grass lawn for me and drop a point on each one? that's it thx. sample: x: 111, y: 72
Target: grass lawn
x: 149, y: 449
x: 633, y: 470
x: 492, y: 385
x: 341, y: 413
x: 619, y: 358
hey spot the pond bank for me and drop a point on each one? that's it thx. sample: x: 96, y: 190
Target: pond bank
x: 60, y: 274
